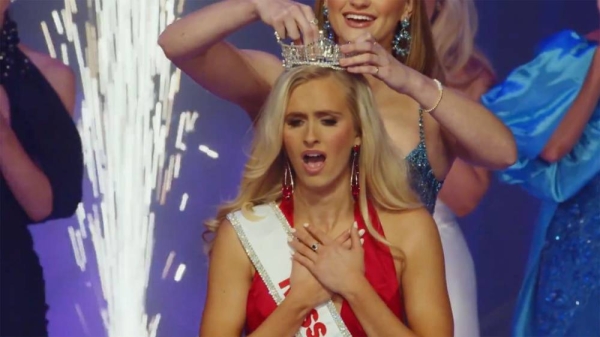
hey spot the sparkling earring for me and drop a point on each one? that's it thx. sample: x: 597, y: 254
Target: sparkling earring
x: 354, y: 177
x: 287, y: 186
x: 401, y: 43
x: 326, y: 24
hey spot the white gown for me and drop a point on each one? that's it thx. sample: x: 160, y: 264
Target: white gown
x: 460, y: 273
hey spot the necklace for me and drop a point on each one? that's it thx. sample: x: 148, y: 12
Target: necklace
x: 11, y: 60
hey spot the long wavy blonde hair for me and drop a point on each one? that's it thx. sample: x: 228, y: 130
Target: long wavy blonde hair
x: 384, y: 174
x: 454, y: 30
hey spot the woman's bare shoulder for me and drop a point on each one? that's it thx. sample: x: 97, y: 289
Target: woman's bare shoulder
x: 60, y: 76
x: 406, y: 228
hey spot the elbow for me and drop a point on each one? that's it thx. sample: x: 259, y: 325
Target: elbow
x: 465, y: 199
x: 168, y: 45
x: 504, y: 152
x: 163, y: 43
x: 51, y: 209
x: 464, y: 209
x: 510, y: 153
x: 41, y: 211
x: 170, y: 48
x: 551, y: 154
x: 507, y: 156
x: 466, y: 205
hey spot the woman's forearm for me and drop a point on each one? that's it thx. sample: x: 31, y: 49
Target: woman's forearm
x: 464, y: 187
x: 373, y: 314
x: 569, y: 130
x: 194, y: 34
x: 480, y: 137
x: 286, y: 320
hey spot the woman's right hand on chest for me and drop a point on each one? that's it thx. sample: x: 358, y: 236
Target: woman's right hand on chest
x: 305, y: 288
x: 290, y: 19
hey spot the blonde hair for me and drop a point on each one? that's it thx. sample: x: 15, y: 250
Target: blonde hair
x: 422, y: 56
x: 384, y: 174
x: 454, y: 31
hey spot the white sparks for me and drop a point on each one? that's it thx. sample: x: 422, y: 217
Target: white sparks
x: 46, y: 32
x: 168, y: 264
x: 184, y: 200
x: 64, y: 53
x: 82, y: 320
x: 177, y: 165
x: 209, y: 152
x: 78, y: 248
x: 187, y: 121
x: 129, y: 89
x: 59, y: 27
x: 179, y: 272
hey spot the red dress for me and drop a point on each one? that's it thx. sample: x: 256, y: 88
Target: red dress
x: 379, y: 271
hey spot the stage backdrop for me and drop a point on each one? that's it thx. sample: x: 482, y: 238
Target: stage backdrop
x: 208, y: 172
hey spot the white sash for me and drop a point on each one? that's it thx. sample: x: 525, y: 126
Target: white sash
x: 265, y: 242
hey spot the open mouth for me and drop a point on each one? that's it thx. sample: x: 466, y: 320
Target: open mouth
x: 359, y: 18
x: 313, y: 161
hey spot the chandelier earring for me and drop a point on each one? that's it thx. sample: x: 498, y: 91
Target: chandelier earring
x: 402, y: 40
x: 355, y: 175
x: 326, y: 24
x: 287, y: 186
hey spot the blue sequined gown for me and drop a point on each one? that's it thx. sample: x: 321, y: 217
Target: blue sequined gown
x: 460, y: 269
x: 560, y: 295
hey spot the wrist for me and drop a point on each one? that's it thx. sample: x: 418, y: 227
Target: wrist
x: 414, y: 83
x: 427, y: 92
x: 253, y: 8
x: 300, y: 303
x: 354, y: 288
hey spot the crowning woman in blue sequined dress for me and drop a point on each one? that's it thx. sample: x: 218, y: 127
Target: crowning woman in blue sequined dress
x: 551, y: 105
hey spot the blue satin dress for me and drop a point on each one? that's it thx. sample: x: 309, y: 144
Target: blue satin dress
x: 560, y: 295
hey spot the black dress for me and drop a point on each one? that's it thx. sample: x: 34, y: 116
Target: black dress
x: 49, y: 136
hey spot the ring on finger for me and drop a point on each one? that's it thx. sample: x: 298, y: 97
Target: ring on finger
x: 314, y: 247
x: 314, y: 22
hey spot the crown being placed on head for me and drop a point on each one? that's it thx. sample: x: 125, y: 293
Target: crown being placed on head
x: 322, y: 53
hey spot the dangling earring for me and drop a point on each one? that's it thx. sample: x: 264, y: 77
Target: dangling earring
x: 327, y: 25
x: 287, y: 186
x: 401, y: 43
x: 354, y: 178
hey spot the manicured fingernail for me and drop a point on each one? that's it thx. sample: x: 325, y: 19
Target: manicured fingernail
x: 305, y: 225
x: 355, y: 224
x: 362, y: 241
x: 290, y: 239
x: 293, y: 230
x: 361, y: 232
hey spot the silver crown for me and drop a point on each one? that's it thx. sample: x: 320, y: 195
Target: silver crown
x: 322, y: 53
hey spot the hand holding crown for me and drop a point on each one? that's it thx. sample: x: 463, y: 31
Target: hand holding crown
x: 323, y: 53
x: 363, y: 56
